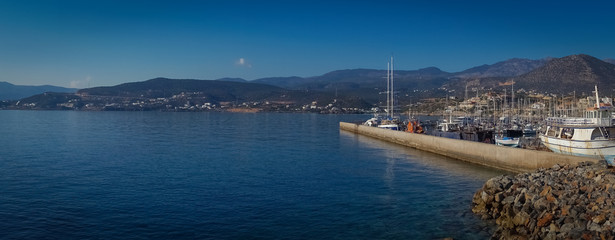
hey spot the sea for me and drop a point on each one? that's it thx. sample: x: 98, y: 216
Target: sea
x: 217, y: 175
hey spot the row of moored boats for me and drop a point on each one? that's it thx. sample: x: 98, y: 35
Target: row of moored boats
x: 591, y: 135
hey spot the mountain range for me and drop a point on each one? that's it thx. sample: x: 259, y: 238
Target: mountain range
x: 556, y: 75
x: 549, y: 75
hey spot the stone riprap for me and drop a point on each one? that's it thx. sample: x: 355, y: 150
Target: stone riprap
x: 563, y: 202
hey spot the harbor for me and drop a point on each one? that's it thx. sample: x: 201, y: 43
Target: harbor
x: 505, y: 145
x: 507, y: 142
x: 564, y: 163
x: 564, y: 181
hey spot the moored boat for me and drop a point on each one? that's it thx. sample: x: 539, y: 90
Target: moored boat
x: 508, y: 138
x: 390, y: 121
x: 592, y: 135
x: 529, y: 131
x: 392, y: 124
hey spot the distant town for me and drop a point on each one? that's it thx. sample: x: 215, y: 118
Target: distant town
x: 521, y: 103
x: 183, y: 102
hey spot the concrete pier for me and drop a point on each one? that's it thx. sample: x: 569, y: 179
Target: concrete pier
x: 506, y: 158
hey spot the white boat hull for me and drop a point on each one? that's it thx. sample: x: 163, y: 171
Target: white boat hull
x: 389, y: 126
x: 601, y: 149
x: 508, y: 142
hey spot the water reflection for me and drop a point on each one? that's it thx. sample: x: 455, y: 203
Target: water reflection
x: 424, y: 195
x: 427, y: 160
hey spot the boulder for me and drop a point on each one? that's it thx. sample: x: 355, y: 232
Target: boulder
x: 563, y: 202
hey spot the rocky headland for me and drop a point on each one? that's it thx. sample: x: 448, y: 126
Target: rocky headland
x: 562, y: 202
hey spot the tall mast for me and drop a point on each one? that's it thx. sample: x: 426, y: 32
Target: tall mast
x: 597, y: 99
x: 466, y: 95
x: 504, y: 103
x: 392, y: 92
x: 388, y: 87
x: 512, y: 98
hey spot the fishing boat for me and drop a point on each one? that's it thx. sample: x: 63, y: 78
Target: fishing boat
x: 592, y: 135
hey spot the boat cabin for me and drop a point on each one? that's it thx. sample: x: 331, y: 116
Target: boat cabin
x: 581, y: 134
x: 596, y: 124
x: 448, y: 127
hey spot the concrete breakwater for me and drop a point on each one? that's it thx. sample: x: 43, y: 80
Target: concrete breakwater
x: 506, y: 158
x: 562, y: 202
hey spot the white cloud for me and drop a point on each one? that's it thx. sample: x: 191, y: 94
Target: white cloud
x: 243, y: 63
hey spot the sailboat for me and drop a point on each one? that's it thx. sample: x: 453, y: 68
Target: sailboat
x: 592, y: 135
x: 508, y: 135
x: 390, y: 122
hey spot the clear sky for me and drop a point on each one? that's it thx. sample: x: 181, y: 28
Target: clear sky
x: 85, y: 43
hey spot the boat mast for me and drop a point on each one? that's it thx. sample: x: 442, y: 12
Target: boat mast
x: 597, y: 99
x: 494, y: 111
x: 512, y: 98
x: 388, y: 87
x: 574, y: 103
x: 504, y: 105
x: 392, y: 92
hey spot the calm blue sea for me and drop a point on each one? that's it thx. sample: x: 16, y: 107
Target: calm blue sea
x: 153, y: 175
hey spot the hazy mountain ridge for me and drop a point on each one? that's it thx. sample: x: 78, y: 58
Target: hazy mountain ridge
x: 421, y: 79
x: 10, y: 91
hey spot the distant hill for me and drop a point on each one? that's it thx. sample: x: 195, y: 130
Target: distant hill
x: 221, y: 91
x: 10, y: 91
x: 49, y: 100
x: 232, y: 79
x: 509, y: 68
x: 283, y: 82
x: 164, y: 87
x: 563, y: 75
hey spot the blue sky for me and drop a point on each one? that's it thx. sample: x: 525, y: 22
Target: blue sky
x: 103, y: 43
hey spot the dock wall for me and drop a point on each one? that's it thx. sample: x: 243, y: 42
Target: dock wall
x: 506, y: 158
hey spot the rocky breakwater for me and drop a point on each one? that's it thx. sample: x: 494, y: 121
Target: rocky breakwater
x: 563, y: 202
